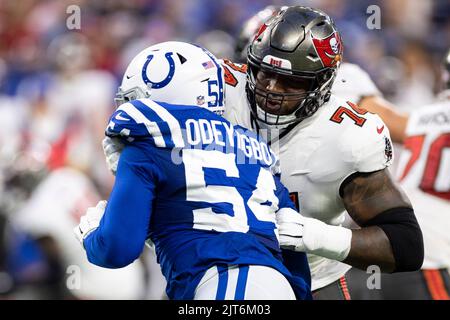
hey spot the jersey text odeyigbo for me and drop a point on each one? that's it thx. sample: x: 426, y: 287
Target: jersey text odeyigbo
x: 222, y: 135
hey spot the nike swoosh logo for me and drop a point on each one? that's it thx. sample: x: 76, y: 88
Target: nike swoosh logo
x: 119, y: 117
x: 129, y: 77
x: 380, y: 130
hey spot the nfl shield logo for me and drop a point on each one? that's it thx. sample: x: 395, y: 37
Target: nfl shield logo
x: 200, y: 100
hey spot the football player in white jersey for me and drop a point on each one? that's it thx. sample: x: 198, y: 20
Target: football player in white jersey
x: 334, y: 155
x: 424, y: 172
x: 352, y: 83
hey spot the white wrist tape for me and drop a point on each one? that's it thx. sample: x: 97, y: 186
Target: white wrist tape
x: 325, y: 240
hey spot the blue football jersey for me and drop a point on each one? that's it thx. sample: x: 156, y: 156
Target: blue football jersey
x: 216, y: 192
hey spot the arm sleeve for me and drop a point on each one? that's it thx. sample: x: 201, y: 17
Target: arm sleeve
x: 122, y: 232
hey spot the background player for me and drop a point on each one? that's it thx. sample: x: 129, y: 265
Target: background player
x: 424, y: 172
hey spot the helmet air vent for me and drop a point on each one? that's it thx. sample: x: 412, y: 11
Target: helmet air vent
x: 182, y: 59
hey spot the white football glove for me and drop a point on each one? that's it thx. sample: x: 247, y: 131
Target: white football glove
x: 112, y: 147
x: 300, y: 233
x: 90, y: 221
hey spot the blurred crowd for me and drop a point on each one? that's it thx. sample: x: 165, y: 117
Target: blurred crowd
x: 56, y: 92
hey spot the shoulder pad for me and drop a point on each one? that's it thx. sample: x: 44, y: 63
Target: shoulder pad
x: 367, y: 143
x: 145, y: 118
x: 234, y: 73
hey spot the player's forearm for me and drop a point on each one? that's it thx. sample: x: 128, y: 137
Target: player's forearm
x: 104, y: 250
x: 121, y: 235
x: 370, y: 246
x: 400, y: 227
x: 389, y: 226
x: 392, y: 240
x: 358, y: 248
x: 116, y: 242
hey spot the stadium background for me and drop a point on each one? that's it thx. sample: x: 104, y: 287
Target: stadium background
x: 57, y: 87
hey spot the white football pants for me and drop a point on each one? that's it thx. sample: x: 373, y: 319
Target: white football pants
x: 243, y: 283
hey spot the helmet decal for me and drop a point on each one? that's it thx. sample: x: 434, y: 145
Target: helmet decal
x: 165, y: 82
x: 200, y: 100
x: 220, y: 99
x: 329, y: 49
x: 260, y: 31
x: 278, y: 62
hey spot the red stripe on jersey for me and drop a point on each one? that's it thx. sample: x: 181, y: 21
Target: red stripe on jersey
x: 344, y: 288
x: 435, y: 285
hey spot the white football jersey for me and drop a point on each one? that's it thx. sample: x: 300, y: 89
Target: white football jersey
x: 425, y: 165
x: 317, y: 155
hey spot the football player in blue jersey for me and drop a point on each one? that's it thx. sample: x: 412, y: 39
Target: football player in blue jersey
x: 202, y: 192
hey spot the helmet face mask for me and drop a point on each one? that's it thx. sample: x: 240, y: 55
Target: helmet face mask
x: 293, y: 105
x: 299, y: 50
x: 130, y: 95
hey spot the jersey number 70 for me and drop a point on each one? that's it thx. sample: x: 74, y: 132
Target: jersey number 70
x: 438, y: 152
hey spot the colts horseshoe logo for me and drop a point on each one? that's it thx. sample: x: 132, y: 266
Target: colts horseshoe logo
x: 165, y: 82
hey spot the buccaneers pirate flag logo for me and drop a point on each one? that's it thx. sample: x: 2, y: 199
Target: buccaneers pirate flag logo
x: 329, y: 49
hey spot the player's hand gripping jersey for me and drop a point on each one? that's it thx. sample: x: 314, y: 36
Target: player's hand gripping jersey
x: 208, y: 191
x: 317, y: 155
